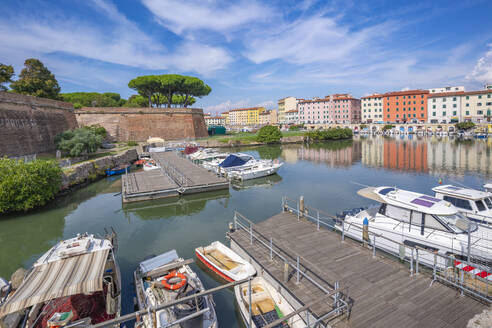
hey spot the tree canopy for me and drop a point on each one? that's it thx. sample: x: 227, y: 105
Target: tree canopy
x: 36, y: 80
x: 93, y: 99
x: 81, y: 141
x: 6, y: 74
x: 170, y: 89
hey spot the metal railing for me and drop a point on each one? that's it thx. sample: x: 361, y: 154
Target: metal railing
x: 340, y: 302
x: 449, y: 270
x: 174, y: 173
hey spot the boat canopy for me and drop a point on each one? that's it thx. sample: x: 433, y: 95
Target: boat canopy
x: 370, y: 193
x: 63, y: 277
x: 467, y: 193
x: 233, y: 160
x: 158, y: 261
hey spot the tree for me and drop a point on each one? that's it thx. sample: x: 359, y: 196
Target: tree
x: 136, y: 101
x: 171, y: 84
x: 36, y: 80
x: 269, y: 134
x: 465, y: 125
x: 193, y: 86
x: 6, y: 74
x: 146, y: 86
x: 81, y: 141
x: 93, y: 99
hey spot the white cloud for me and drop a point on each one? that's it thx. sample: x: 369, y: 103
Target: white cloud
x: 267, y: 104
x: 219, y: 16
x: 227, y: 105
x: 482, y: 72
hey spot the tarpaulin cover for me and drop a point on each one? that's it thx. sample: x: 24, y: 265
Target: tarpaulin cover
x: 232, y: 160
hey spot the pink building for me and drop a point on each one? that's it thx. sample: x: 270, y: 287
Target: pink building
x: 334, y: 109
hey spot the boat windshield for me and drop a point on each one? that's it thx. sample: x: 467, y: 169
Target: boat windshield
x: 488, y: 202
x: 457, y: 222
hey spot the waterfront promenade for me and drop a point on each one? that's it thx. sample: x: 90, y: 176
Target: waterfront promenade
x: 381, y: 291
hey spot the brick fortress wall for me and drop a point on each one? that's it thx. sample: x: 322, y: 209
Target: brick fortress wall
x: 28, y: 125
x: 138, y: 124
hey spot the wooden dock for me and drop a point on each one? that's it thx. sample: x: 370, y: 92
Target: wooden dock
x: 381, y: 290
x: 176, y: 176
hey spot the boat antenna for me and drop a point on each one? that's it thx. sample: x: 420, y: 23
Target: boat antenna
x: 359, y: 184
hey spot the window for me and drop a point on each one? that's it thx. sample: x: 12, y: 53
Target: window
x: 433, y: 113
x: 443, y: 113
x: 481, y: 207
x: 488, y: 202
x: 467, y: 97
x: 467, y: 112
x: 444, y: 99
x: 479, y: 104
x: 398, y: 213
x: 467, y: 105
x: 460, y: 203
x: 443, y: 106
x: 434, y: 100
x: 454, y: 105
x: 454, y: 113
x: 479, y: 96
x: 454, y: 98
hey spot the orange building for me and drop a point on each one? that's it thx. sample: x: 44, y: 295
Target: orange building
x: 405, y: 106
x: 405, y: 156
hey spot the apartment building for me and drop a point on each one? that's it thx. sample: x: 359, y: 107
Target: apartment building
x: 334, y: 109
x: 284, y: 105
x: 214, y: 120
x: 225, y: 115
x: 445, y: 107
x: 477, y: 106
x: 372, y: 108
x: 264, y: 118
x: 292, y: 117
x: 447, y: 89
x: 405, y: 106
x: 245, y: 116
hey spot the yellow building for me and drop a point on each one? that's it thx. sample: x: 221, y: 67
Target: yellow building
x: 245, y: 116
x: 285, y: 105
x: 225, y: 115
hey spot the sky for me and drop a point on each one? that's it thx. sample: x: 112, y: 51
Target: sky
x: 254, y: 52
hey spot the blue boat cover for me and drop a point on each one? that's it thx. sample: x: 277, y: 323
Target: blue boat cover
x: 157, y: 261
x: 232, y: 160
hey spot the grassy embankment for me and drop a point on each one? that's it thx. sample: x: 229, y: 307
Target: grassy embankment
x: 249, y: 137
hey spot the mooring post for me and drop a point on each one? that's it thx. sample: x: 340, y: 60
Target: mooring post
x: 298, y: 270
x: 235, y: 220
x: 374, y: 246
x: 249, y: 296
x: 365, y: 231
x: 271, y: 248
x: 343, y: 230
x: 417, y: 261
x: 250, y: 234
x: 318, y: 220
x: 434, y: 268
x: 411, y: 265
x: 301, y: 206
x: 283, y: 204
x: 286, y: 271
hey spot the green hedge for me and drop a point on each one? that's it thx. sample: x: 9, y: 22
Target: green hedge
x: 330, y: 134
x: 269, y: 134
x: 26, y: 185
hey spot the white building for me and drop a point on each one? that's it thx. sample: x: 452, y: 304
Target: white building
x: 447, y: 89
x: 292, y: 117
x: 372, y: 108
x: 445, y: 107
x: 284, y: 105
x: 214, y: 120
x: 477, y: 106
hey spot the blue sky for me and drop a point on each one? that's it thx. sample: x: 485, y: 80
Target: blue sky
x: 254, y: 52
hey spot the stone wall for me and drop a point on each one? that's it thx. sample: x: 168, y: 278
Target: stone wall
x: 28, y: 125
x: 91, y: 170
x: 138, y: 124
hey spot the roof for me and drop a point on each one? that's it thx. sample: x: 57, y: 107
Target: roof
x: 407, y: 92
x: 409, y: 200
x: 446, y: 94
x: 376, y: 95
x: 292, y: 111
x: 54, y: 276
x: 467, y: 193
x: 249, y: 108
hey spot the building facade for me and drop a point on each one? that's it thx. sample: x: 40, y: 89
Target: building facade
x: 225, y: 115
x: 292, y: 117
x: 245, y: 116
x: 445, y: 107
x: 405, y: 106
x: 273, y: 116
x: 447, y: 89
x: 372, y: 108
x: 214, y: 120
x: 264, y: 118
x: 284, y: 105
x: 334, y: 109
x: 477, y: 106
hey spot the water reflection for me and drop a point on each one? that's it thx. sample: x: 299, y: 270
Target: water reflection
x: 265, y: 182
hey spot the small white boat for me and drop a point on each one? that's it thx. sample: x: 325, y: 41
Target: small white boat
x: 76, y: 282
x: 414, y: 219
x: 475, y: 204
x: 224, y: 262
x: 268, y: 305
x: 488, y: 187
x: 258, y: 170
x: 150, y: 165
x: 166, y: 278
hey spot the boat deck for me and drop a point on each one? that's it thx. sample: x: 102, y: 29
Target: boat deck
x: 176, y: 176
x: 382, y: 291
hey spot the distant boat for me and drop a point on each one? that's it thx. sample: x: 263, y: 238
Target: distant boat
x: 224, y: 262
x: 268, y: 305
x: 258, y: 170
x: 121, y: 169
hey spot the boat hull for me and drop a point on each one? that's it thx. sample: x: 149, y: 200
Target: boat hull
x: 117, y: 172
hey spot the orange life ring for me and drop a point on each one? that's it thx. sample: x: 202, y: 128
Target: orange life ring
x: 174, y: 286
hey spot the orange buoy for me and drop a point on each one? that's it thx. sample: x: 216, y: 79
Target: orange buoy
x: 166, y: 282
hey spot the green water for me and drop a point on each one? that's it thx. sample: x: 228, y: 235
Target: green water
x: 327, y: 174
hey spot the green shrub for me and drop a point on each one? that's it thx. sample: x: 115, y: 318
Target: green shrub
x: 465, y: 125
x: 387, y: 127
x: 81, y: 141
x: 269, y: 134
x: 295, y: 127
x: 132, y: 143
x: 330, y: 134
x: 26, y: 185
x: 97, y: 129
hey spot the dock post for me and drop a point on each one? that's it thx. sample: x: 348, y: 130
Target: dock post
x: 283, y: 204
x: 235, y: 220
x: 298, y: 213
x: 297, y: 268
x: 249, y: 293
x: 461, y: 281
x: 318, y: 220
x: 301, y: 206
x: 343, y: 231
x: 434, y: 272
x: 271, y: 249
x: 411, y: 265
x: 469, y: 242
x: 250, y: 234
x: 374, y: 246
x: 286, y: 271
x: 417, y: 261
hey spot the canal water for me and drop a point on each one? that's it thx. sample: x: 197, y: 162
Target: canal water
x: 327, y: 174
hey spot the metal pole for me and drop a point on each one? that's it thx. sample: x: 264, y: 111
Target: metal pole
x: 434, y: 269
x: 343, y: 231
x: 373, y: 245
x: 283, y: 204
x: 250, y: 233
x: 318, y: 219
x: 235, y: 220
x: 411, y: 265
x: 469, y: 241
x: 297, y: 269
x: 250, y: 314
x: 271, y: 248
x: 298, y: 215
x: 417, y: 261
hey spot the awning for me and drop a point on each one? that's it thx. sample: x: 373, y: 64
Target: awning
x: 370, y: 193
x: 69, y: 276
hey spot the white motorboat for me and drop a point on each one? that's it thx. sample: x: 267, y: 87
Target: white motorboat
x: 475, y: 204
x: 166, y: 278
x: 150, y: 165
x: 488, y: 187
x: 267, y: 305
x: 230, y: 162
x: 226, y: 263
x: 77, y: 282
x: 415, y: 219
x: 258, y: 170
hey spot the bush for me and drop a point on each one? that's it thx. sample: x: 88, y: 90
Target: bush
x: 330, y: 134
x: 295, y: 127
x: 81, y: 141
x: 97, y: 129
x: 465, y: 125
x: 388, y: 127
x: 132, y: 143
x: 26, y: 185
x: 269, y: 134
